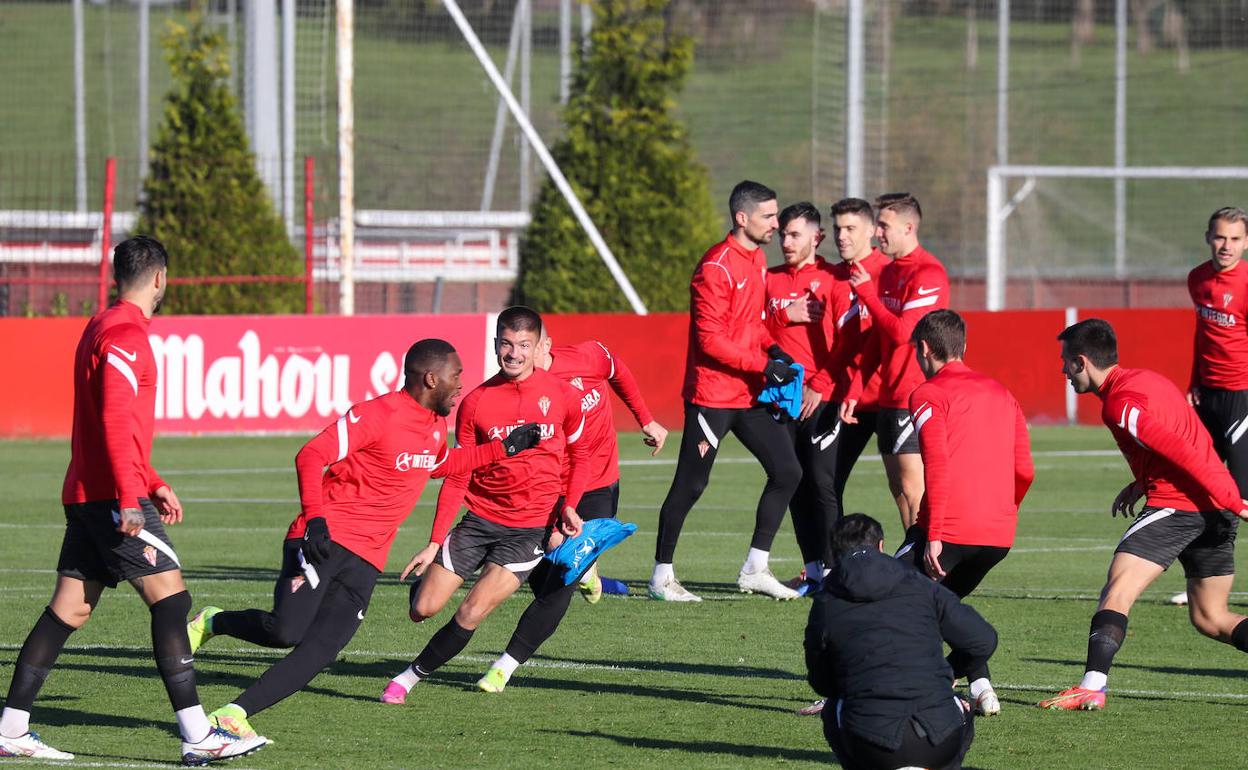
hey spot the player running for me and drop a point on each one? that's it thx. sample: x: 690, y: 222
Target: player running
x: 908, y: 288
x: 379, y: 456
x: 116, y: 509
x: 1219, y: 384
x: 731, y: 356
x: 1191, y: 504
x: 976, y: 470
x: 589, y: 367
x: 512, y: 506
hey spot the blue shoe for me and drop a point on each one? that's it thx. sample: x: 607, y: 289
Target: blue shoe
x: 808, y: 587
x: 574, y: 554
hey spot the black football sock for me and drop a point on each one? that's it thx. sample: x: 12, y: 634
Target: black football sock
x: 173, y: 649
x: 449, y: 641
x: 1239, y: 637
x: 39, y: 653
x: 256, y: 626
x: 540, y: 621
x: 1108, y: 630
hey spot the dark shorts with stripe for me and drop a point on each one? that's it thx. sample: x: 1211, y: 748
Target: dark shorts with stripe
x: 895, y: 432
x: 1203, y: 541
x: 93, y: 549
x: 475, y: 542
x: 1225, y: 415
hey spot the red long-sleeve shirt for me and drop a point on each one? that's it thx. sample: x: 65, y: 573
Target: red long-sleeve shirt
x: 976, y: 457
x: 853, y: 324
x: 809, y: 343
x: 520, y: 491
x: 379, y: 455
x: 114, y: 411
x: 1164, y: 442
x: 589, y: 367
x: 1220, y: 357
x: 728, y: 338
x: 908, y: 288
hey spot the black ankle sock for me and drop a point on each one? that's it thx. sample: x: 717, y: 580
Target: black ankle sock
x: 449, y: 641
x: 1239, y: 637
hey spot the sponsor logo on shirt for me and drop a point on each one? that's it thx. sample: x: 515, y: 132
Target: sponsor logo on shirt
x: 405, y: 461
x: 590, y: 400
x: 498, y: 433
x: 892, y: 303
x: 1216, y: 316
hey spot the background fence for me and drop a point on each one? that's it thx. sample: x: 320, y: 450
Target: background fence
x: 765, y: 100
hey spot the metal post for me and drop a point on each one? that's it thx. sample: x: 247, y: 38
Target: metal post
x: 288, y: 115
x: 1072, y: 398
x: 144, y: 116
x: 526, y: 101
x: 587, y: 25
x: 106, y: 229
x: 80, y: 113
x: 854, y: 122
x: 263, y: 115
x: 1003, y: 81
x: 565, y: 49
x: 309, y: 230
x: 994, y: 276
x: 346, y: 157
x: 500, y: 114
x: 1120, y: 139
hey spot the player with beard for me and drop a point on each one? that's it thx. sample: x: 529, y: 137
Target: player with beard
x: 359, y: 479
x: 731, y: 356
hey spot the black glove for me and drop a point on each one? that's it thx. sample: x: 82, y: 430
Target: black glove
x: 776, y: 353
x: 522, y: 438
x: 316, y: 540
x: 778, y: 373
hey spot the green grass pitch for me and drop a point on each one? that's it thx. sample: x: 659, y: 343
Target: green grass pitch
x: 629, y: 682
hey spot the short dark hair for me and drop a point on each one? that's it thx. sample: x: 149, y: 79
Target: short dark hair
x: 428, y: 355
x: 803, y: 210
x: 900, y: 202
x: 1093, y: 338
x: 856, y: 532
x: 852, y: 206
x: 1228, y: 214
x: 746, y: 196
x: 519, y: 318
x: 944, y: 331
x: 135, y: 259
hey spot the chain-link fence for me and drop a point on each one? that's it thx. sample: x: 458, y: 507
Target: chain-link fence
x: 766, y: 99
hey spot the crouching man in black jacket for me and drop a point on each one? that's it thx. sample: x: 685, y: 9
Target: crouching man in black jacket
x: 873, y: 648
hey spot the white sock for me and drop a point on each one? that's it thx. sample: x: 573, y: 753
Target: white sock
x: 14, y: 723
x: 408, y: 679
x: 979, y: 686
x: 662, y: 574
x: 507, y: 663
x: 756, y: 560
x: 814, y: 570
x: 192, y: 721
x: 1094, y: 680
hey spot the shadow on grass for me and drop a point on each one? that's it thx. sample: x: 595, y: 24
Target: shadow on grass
x: 54, y: 716
x: 1217, y: 673
x: 677, y: 667
x: 735, y: 750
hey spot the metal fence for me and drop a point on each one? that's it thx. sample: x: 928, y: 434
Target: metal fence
x: 766, y: 99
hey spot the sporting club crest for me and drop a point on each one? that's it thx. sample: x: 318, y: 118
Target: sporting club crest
x: 814, y: 286
x: 543, y: 403
x: 297, y: 582
x: 703, y: 448
x: 1226, y: 299
x: 149, y: 553
x: 576, y: 382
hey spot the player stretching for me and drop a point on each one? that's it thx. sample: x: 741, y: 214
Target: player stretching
x: 1190, y: 497
x: 908, y: 288
x: 798, y: 293
x: 511, y: 505
x: 116, y: 506
x: 379, y: 456
x: 731, y: 356
x: 976, y: 469
x: 1219, y: 385
x: 588, y: 367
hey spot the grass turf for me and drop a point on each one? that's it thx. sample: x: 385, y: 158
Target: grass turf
x: 629, y: 682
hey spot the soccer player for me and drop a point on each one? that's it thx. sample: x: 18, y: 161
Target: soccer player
x: 798, y: 293
x: 731, y: 356
x: 379, y: 456
x: 908, y: 288
x: 514, y: 506
x: 116, y: 509
x: 1219, y: 384
x: 976, y: 470
x: 1191, y: 504
x: 589, y: 367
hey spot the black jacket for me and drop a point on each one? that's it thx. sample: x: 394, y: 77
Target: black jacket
x: 873, y: 648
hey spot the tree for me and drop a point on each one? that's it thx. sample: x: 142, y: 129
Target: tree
x: 631, y: 163
x: 203, y: 198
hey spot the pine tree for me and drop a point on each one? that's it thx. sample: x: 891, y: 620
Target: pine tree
x: 631, y: 163
x: 203, y: 198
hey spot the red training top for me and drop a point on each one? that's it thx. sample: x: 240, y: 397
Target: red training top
x: 976, y: 457
x: 1165, y: 444
x: 588, y: 367
x: 908, y: 288
x: 853, y: 322
x: 1221, y: 349
x: 520, y: 491
x: 810, y: 344
x: 380, y: 454
x: 114, y: 411
x: 728, y: 339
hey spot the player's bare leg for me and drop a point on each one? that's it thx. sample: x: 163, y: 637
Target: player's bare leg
x: 1209, y: 612
x: 436, y: 589
x: 905, y: 483
x: 74, y: 600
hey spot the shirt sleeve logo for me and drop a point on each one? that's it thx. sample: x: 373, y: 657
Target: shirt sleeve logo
x: 132, y: 357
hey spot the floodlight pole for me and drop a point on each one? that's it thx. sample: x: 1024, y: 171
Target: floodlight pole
x: 346, y: 157
x: 543, y: 154
x: 80, y: 113
x: 1120, y: 138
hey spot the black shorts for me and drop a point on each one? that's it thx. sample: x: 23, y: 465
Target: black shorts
x: 1225, y: 415
x: 895, y: 432
x: 600, y: 503
x: 476, y: 541
x: 1203, y: 541
x: 965, y: 566
x: 93, y: 549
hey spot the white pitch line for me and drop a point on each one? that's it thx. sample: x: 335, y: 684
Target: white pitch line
x: 28, y: 762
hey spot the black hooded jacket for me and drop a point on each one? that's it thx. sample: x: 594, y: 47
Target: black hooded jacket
x: 873, y: 648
